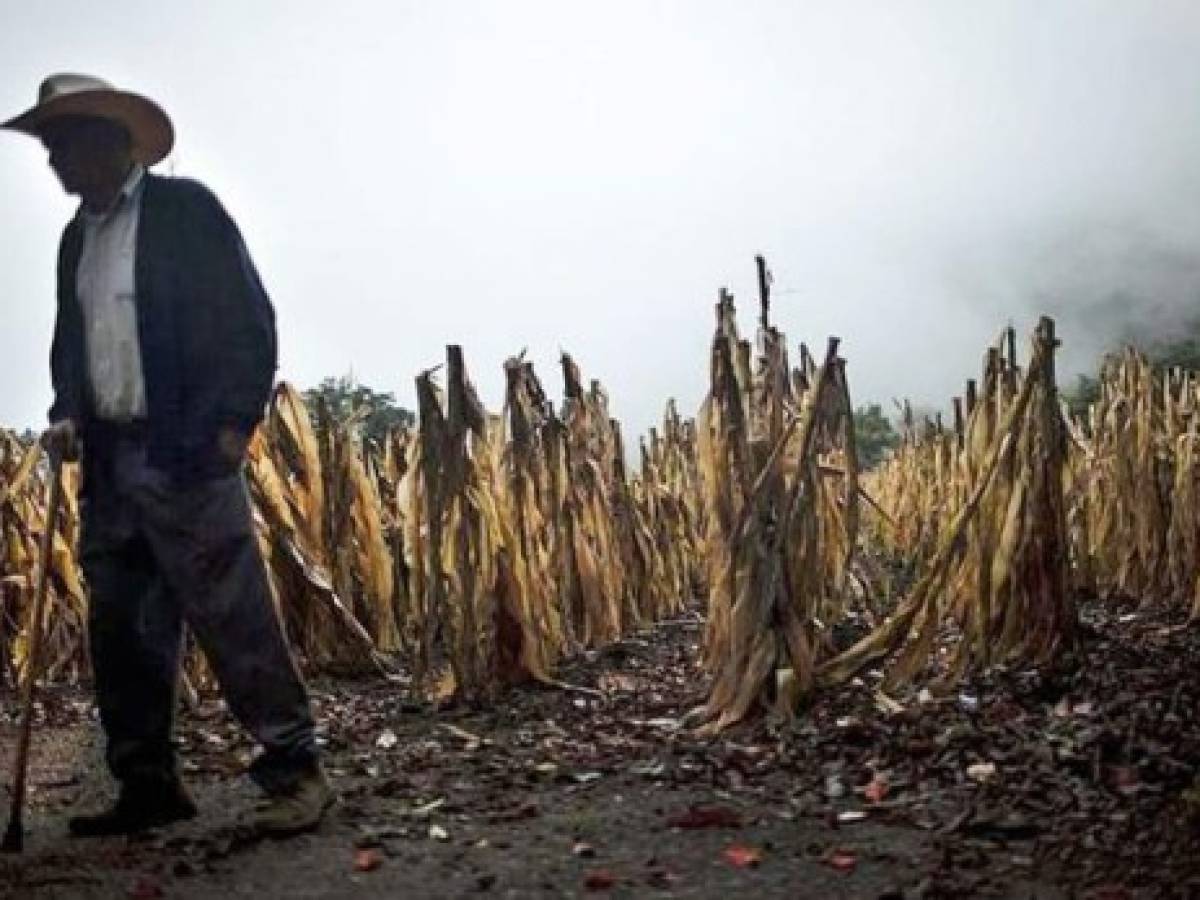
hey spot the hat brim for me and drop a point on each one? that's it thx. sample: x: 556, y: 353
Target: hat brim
x: 150, y: 129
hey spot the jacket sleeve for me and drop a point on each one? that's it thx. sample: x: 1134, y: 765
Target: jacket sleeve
x: 66, y: 345
x: 244, y: 318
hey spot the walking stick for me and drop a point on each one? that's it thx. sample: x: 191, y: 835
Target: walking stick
x: 14, y: 837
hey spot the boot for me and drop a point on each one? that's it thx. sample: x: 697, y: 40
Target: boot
x: 297, y: 809
x: 139, y: 806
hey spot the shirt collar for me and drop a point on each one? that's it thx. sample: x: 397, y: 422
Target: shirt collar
x: 134, y: 182
x: 129, y: 191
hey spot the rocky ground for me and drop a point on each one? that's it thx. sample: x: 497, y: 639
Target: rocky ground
x: 1079, y: 782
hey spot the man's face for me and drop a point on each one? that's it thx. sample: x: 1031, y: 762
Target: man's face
x: 85, y: 152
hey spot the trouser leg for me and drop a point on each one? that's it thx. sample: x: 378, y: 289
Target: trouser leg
x: 203, y: 539
x: 135, y: 633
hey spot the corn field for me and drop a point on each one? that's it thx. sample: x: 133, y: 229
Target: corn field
x: 471, y: 552
x: 1134, y: 522
x: 477, y: 549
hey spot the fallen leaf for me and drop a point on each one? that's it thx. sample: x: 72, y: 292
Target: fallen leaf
x: 981, y: 772
x: 599, y: 880
x: 614, y: 682
x: 742, y: 856
x: 386, y: 740
x: 651, y: 769
x: 706, y: 817
x: 877, y: 789
x: 367, y: 860
x: 472, y: 740
x: 427, y: 809
x: 842, y: 860
x: 886, y: 704
x: 661, y: 722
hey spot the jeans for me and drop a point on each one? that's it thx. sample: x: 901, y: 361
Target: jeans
x: 157, y: 556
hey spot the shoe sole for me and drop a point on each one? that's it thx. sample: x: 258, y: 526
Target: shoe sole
x: 275, y: 833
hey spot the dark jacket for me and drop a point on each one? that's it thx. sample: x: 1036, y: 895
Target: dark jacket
x: 205, y: 326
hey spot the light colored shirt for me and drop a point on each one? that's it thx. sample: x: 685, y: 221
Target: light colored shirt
x: 106, y: 290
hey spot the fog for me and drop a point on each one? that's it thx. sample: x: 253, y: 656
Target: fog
x: 558, y: 175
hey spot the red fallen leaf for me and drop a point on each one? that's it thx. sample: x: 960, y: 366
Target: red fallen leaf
x: 742, y: 856
x: 877, y: 789
x: 145, y: 887
x: 367, y: 859
x: 842, y: 860
x: 599, y: 880
x: 706, y: 817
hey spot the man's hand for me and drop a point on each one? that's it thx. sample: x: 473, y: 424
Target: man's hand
x: 61, y: 440
x: 232, y: 444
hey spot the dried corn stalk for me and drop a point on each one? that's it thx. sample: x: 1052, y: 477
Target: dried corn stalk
x: 1133, y: 485
x: 481, y: 581
x: 288, y: 483
x: 599, y: 605
x: 23, y: 474
x: 668, y: 520
x: 779, y: 471
x: 999, y: 573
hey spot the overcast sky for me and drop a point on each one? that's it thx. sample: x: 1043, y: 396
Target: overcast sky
x: 585, y: 176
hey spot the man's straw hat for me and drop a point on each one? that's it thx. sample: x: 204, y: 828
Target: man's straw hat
x: 68, y: 94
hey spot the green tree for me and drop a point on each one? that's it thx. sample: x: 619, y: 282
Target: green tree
x: 1182, y: 352
x: 344, y: 397
x: 1082, y: 394
x: 873, y: 434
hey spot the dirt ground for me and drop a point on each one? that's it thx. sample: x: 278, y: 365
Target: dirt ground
x: 1076, y: 783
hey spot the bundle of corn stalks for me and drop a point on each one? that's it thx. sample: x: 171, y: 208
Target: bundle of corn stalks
x: 523, y: 537
x: 320, y: 531
x: 478, y: 578
x: 23, y: 474
x: 914, y: 489
x: 779, y: 475
x: 666, y: 560
x: 1134, y: 519
x: 600, y: 604
x: 475, y: 550
x: 998, y: 573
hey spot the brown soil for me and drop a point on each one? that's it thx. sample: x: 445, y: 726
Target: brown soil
x: 1072, y: 783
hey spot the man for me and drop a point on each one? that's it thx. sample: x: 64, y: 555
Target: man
x: 162, y: 363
